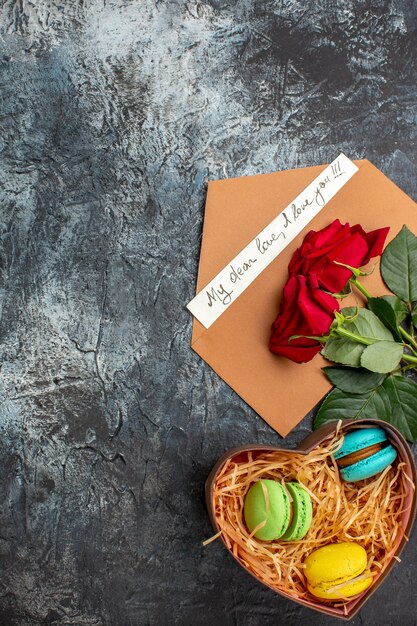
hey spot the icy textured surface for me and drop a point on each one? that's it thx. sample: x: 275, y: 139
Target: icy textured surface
x: 114, y: 115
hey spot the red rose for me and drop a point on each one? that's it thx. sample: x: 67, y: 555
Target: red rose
x: 305, y: 310
x: 337, y: 242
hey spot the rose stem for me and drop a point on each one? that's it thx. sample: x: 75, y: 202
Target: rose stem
x: 407, y: 336
x: 358, y: 338
x: 409, y: 358
x: 346, y: 333
x: 361, y: 288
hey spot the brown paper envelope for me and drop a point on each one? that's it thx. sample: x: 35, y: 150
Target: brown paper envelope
x: 236, y: 345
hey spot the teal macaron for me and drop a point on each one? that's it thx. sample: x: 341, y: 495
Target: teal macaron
x: 364, y: 453
x: 279, y: 512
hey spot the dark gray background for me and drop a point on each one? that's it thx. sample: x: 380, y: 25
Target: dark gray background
x: 114, y: 115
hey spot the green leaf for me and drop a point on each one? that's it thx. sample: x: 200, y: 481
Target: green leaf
x: 347, y: 351
x: 339, y: 404
x: 342, y: 350
x: 386, y: 314
x: 353, y: 379
x: 367, y: 324
x: 395, y: 402
x: 399, y: 265
x: 400, y: 309
x: 402, y: 393
x: 382, y: 357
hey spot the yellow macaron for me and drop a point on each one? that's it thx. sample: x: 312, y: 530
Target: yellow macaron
x: 337, y: 571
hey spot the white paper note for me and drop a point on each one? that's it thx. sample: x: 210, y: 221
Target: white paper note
x: 227, y: 286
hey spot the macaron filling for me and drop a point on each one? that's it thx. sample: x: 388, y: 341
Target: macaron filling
x: 369, y: 466
x: 359, y: 455
x: 360, y: 439
x: 364, y: 453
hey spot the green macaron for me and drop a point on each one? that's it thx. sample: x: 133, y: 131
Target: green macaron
x: 280, y: 512
x: 267, y: 501
x: 302, y: 513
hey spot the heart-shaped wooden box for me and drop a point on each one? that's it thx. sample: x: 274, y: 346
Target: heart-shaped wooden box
x: 310, y: 443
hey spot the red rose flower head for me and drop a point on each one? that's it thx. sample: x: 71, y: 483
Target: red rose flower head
x: 337, y: 242
x: 305, y: 310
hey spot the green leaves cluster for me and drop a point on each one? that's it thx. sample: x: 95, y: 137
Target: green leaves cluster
x: 375, y: 346
x: 365, y: 395
x: 377, y: 349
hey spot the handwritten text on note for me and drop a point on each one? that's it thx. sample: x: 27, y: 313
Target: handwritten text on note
x: 221, y: 292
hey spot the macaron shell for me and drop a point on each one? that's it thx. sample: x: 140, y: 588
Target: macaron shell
x: 360, y: 438
x: 302, y: 513
x: 335, y: 563
x: 277, y: 515
x: 351, y: 588
x: 369, y: 467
